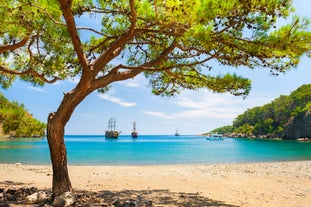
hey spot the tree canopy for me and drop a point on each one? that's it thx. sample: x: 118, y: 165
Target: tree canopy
x: 173, y: 42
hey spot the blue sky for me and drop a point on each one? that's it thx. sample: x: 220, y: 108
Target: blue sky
x: 192, y: 112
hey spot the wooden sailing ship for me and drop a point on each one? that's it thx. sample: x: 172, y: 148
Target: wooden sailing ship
x: 111, y: 132
x: 134, y: 133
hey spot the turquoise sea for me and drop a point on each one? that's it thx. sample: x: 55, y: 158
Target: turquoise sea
x: 154, y: 150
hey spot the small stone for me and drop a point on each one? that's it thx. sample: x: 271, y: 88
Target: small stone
x: 117, y: 203
x: 65, y: 199
x: 36, y: 197
x: 11, y: 191
x: 148, y: 203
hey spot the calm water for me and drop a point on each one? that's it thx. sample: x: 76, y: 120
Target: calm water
x: 96, y: 150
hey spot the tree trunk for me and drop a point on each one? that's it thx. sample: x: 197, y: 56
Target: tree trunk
x: 55, y: 135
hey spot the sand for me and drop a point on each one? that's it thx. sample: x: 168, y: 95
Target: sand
x: 283, y: 184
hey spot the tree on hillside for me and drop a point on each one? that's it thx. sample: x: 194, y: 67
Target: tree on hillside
x: 173, y: 42
x: 16, y: 121
x: 273, y: 118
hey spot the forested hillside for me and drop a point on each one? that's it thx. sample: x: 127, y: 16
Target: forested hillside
x: 285, y: 117
x: 15, y: 121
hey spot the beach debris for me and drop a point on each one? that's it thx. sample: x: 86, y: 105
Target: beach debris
x: 128, y: 203
x: 65, y: 199
x: 16, y: 196
x: 37, y: 197
x: 19, y: 165
x: 131, y: 203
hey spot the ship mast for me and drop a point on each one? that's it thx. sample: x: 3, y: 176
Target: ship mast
x: 114, y: 124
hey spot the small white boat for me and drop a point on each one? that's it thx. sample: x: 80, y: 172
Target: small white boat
x: 215, y: 137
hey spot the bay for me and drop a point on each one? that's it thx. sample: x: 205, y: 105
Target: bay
x: 154, y: 150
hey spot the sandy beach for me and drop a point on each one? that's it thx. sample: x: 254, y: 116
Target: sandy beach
x: 258, y: 184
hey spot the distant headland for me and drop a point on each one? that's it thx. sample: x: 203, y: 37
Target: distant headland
x: 16, y: 121
x: 286, y: 117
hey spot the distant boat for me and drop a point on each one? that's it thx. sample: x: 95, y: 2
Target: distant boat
x: 111, y: 132
x: 215, y: 137
x: 134, y: 133
x: 176, y: 133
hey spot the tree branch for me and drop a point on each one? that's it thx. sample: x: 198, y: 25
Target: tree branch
x: 29, y: 72
x: 49, y: 15
x: 132, y: 71
x: 71, y: 26
x: 4, y: 48
x: 116, y: 48
x: 91, y: 29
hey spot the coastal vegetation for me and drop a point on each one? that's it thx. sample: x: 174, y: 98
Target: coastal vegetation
x: 275, y: 118
x: 175, y: 44
x: 15, y: 121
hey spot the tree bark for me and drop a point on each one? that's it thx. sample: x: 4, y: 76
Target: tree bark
x: 55, y: 135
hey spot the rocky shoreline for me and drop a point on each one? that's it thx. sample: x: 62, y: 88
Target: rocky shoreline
x: 240, y: 135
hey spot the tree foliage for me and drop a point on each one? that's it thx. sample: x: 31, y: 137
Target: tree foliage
x: 172, y: 41
x: 272, y: 118
x: 17, y: 121
x: 221, y: 130
x: 33, y: 44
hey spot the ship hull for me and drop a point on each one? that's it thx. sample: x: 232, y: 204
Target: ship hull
x: 134, y: 134
x: 112, y: 134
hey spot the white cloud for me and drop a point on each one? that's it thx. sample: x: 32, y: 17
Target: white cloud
x: 204, y: 104
x: 203, y: 100
x: 218, y: 113
x: 74, y: 80
x: 209, y: 113
x: 161, y: 114
x: 138, y: 81
x: 116, y: 100
x: 37, y: 89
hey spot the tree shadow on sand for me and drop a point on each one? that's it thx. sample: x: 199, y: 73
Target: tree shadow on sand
x: 158, y: 198
x: 126, y: 198
x: 10, y: 183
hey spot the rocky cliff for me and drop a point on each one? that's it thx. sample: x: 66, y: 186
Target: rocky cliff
x: 298, y: 127
x: 2, y: 135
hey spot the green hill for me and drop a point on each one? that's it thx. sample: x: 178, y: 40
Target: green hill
x: 15, y: 121
x: 286, y: 117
